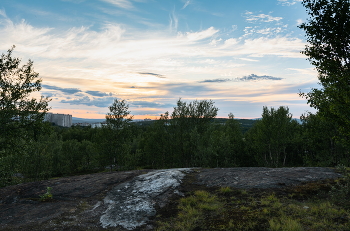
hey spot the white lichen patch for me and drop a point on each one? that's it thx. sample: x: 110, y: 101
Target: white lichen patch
x: 132, y: 203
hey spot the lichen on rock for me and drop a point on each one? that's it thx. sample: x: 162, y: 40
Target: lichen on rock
x: 130, y: 204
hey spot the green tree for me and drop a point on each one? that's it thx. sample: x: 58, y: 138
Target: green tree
x: 118, y: 116
x: 236, y: 143
x: 320, y: 147
x: 117, y: 133
x: 328, y: 35
x: 19, y: 114
x: 184, y: 119
x: 194, y: 114
x: 271, y: 137
x: 158, y: 145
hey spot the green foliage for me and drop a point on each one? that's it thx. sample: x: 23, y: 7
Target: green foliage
x: 192, y: 211
x: 340, y: 192
x: 319, y: 146
x: 273, y: 136
x: 47, y: 196
x: 328, y: 35
x: 118, y: 117
x: 225, y: 190
x: 117, y: 135
x: 286, y: 224
x: 256, y: 210
x: 20, y: 116
x: 194, y: 114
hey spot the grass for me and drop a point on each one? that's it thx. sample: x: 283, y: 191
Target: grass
x: 312, y: 206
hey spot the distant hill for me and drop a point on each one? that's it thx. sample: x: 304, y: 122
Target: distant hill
x: 83, y: 120
x: 90, y: 121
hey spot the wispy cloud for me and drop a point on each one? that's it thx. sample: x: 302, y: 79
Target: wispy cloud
x: 98, y: 93
x: 249, y: 60
x: 251, y: 77
x: 186, y: 4
x: 195, y: 36
x: 147, y: 104
x: 85, y: 100
x: 173, y: 21
x: 299, y: 21
x: 215, y: 80
x: 112, y: 58
x: 250, y: 17
x: 125, y: 4
x: 153, y: 74
x: 288, y: 2
x: 64, y: 90
x: 74, y: 1
x: 3, y: 13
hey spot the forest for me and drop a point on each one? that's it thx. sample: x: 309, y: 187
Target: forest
x: 190, y: 135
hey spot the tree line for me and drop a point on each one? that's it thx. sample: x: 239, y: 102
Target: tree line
x: 31, y: 149
x: 186, y: 137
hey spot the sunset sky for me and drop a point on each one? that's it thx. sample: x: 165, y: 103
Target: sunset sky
x: 242, y: 54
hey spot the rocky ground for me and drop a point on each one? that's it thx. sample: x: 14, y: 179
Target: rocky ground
x: 129, y: 200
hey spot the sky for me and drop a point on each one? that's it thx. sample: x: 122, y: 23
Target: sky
x: 241, y: 54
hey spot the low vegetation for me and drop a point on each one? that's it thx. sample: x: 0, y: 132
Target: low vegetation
x: 312, y: 206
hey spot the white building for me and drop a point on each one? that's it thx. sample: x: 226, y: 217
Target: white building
x: 98, y: 125
x: 64, y: 120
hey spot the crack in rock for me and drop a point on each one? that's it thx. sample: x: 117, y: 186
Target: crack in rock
x: 130, y: 204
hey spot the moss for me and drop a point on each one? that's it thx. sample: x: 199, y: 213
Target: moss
x: 305, y: 207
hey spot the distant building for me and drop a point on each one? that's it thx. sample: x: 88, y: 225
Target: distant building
x: 85, y: 124
x: 98, y: 125
x: 63, y: 120
x: 147, y: 119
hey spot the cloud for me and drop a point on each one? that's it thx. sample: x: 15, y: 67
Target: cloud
x: 250, y: 17
x: 113, y: 57
x: 278, y: 46
x: 288, y: 3
x: 230, y: 42
x: 250, y: 60
x: 85, y: 100
x: 125, y: 4
x: 98, y: 93
x: 154, y: 74
x: 270, y: 30
x: 253, y: 77
x: 144, y: 104
x: 64, y: 90
x: 48, y: 94
x: 74, y: 1
x: 215, y: 41
x: 3, y: 13
x: 173, y: 21
x: 185, y: 90
x: 299, y: 21
x: 186, y: 4
x: 215, y: 81
x: 195, y: 36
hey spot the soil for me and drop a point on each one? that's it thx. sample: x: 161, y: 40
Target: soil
x: 77, y: 202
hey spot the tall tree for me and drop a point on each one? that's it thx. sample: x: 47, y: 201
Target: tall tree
x: 320, y: 148
x: 19, y: 113
x: 328, y: 34
x: 118, y: 116
x: 272, y: 135
x: 117, y: 134
x: 186, y: 118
